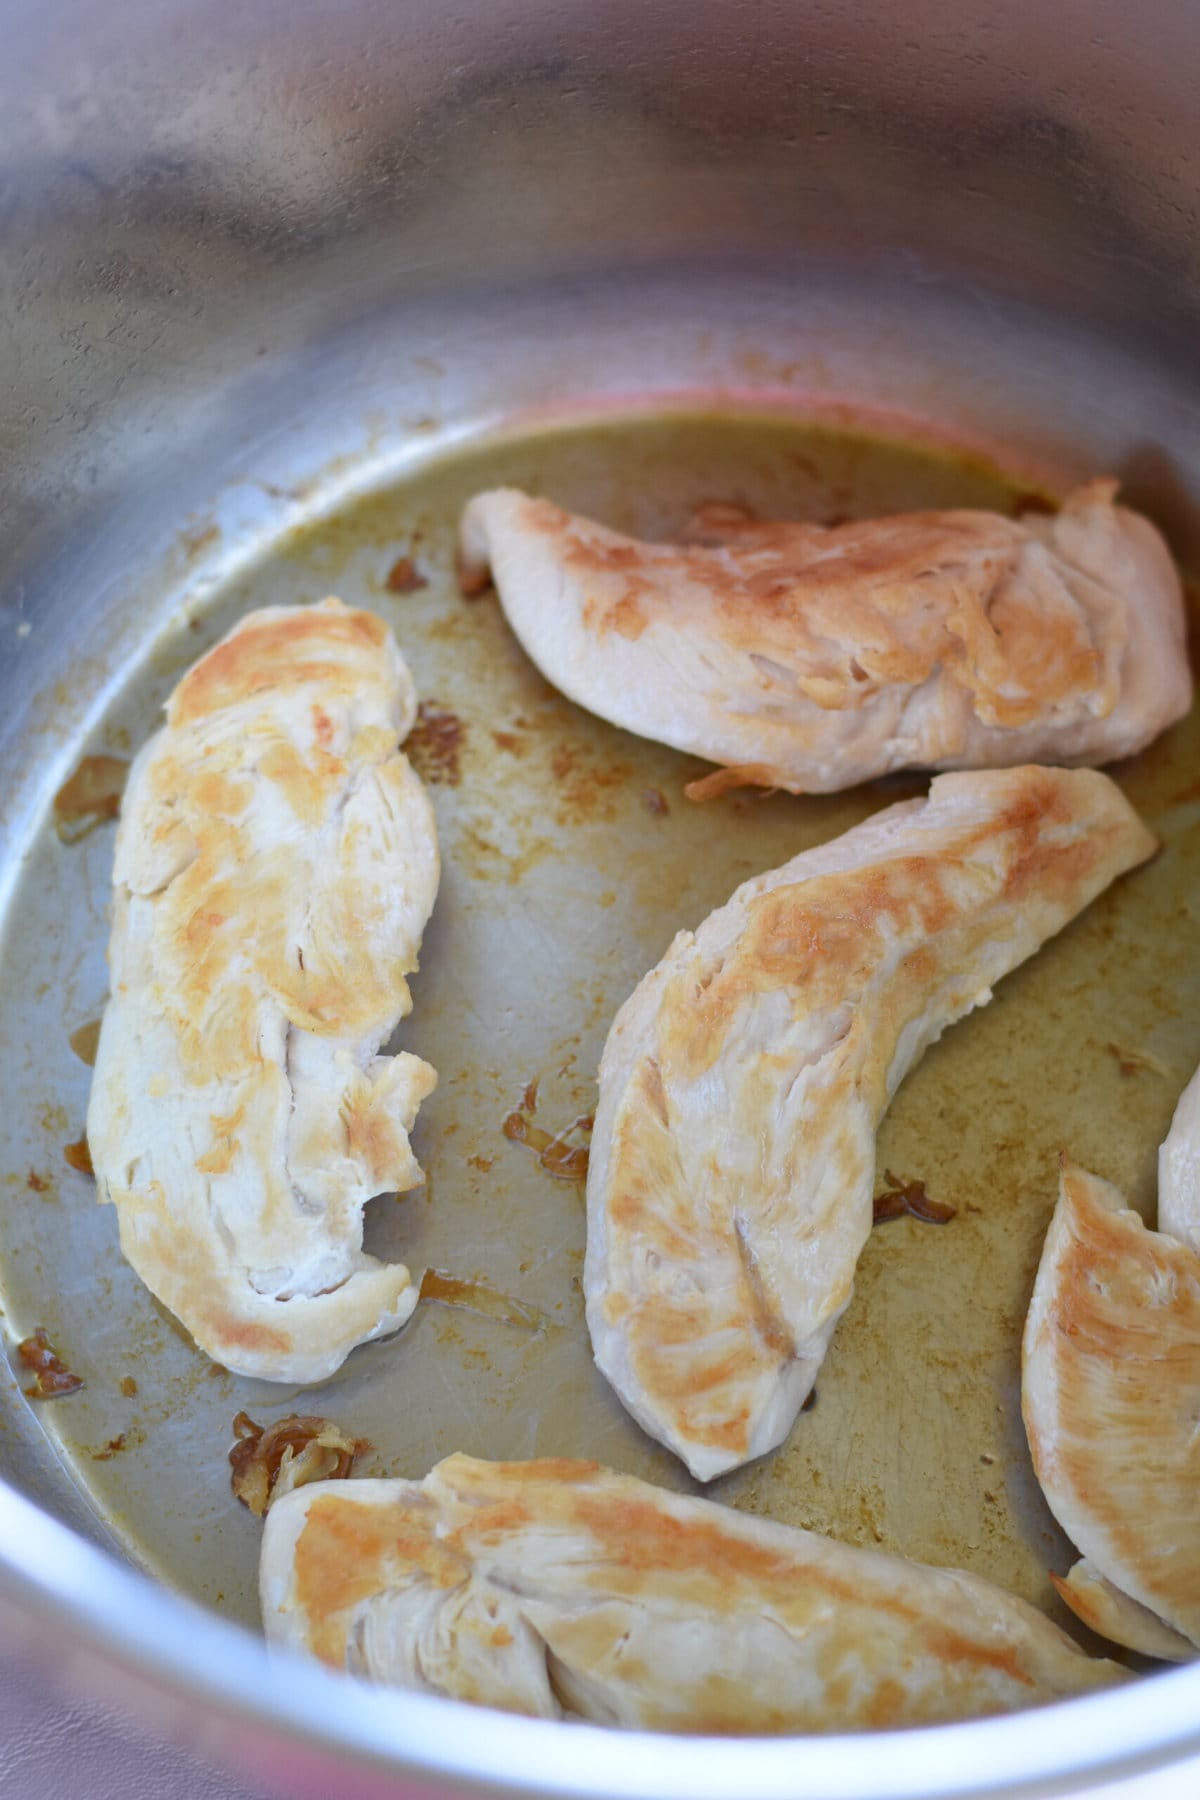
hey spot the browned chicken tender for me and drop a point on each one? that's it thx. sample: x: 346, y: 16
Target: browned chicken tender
x: 810, y: 658
x: 276, y: 862
x: 732, y: 1161
x: 560, y: 1588
x: 1111, y: 1399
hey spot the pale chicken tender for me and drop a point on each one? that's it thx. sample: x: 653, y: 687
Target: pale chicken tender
x: 810, y: 658
x: 742, y: 1084
x: 276, y: 863
x: 559, y: 1588
x: 1110, y: 1394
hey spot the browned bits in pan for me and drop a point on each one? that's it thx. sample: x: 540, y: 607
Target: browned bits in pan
x: 404, y: 577
x: 267, y: 1462
x: 589, y: 787
x: 1135, y: 1062
x: 89, y: 796
x: 51, y: 1376
x: 900, y: 1197
x: 78, y: 1156
x: 1030, y: 501
x: 472, y: 582
x: 434, y: 744
x: 511, y: 741
x: 85, y: 1040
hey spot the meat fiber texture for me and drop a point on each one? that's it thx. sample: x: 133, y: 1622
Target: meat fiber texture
x: 811, y: 658
x: 742, y: 1083
x: 276, y: 863
x: 561, y: 1589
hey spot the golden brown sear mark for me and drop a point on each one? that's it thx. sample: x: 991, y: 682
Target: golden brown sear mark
x: 51, y: 1376
x: 293, y: 649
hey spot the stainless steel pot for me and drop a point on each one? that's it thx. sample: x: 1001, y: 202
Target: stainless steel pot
x: 251, y: 256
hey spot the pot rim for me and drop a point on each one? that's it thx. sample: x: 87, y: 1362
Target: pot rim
x: 172, y: 1645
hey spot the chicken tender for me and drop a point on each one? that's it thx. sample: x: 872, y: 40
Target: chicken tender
x: 742, y: 1084
x: 553, y: 1588
x: 810, y: 658
x: 276, y: 862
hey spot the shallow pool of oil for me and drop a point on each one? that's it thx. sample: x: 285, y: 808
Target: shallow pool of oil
x: 571, y: 857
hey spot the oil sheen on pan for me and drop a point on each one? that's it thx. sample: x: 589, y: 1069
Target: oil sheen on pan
x: 570, y: 859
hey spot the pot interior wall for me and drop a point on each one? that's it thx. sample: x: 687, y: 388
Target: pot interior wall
x: 277, y: 286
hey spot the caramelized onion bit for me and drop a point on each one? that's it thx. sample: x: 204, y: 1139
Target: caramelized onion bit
x: 900, y: 1197
x: 557, y: 1154
x: 272, y: 1460
x: 475, y: 1297
x: 737, y: 775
